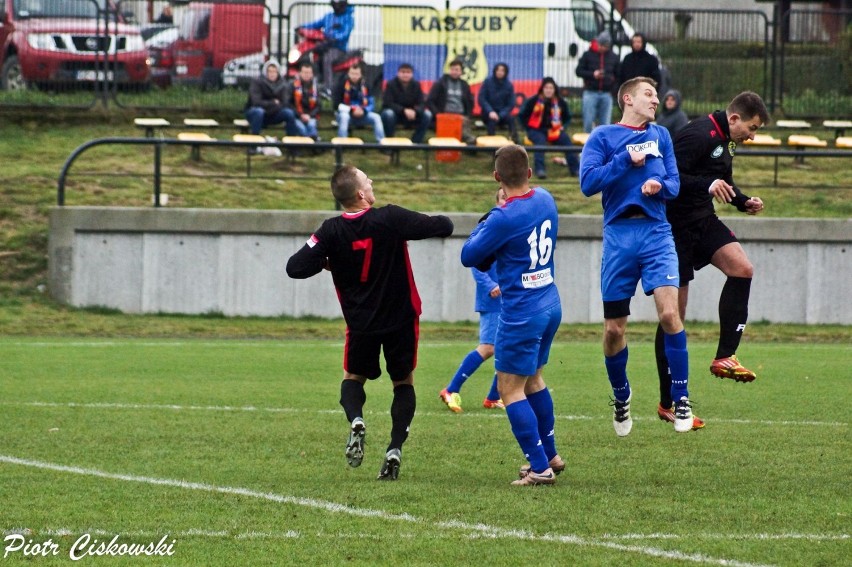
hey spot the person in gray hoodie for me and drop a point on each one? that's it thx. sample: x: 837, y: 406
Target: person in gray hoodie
x: 268, y: 100
x: 672, y: 117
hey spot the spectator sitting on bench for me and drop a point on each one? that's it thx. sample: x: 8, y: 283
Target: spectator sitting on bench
x: 304, y: 97
x: 267, y: 100
x: 545, y: 116
x: 672, y: 117
x: 354, y: 104
x: 451, y: 94
x: 403, y: 104
x: 497, y: 101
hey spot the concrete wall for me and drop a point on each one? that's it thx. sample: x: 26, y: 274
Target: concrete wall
x: 201, y: 260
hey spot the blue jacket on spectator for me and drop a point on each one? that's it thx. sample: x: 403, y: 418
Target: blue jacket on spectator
x: 336, y: 27
x: 497, y: 95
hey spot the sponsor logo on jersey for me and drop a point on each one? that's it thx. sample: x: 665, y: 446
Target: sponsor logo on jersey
x: 717, y: 152
x: 649, y: 148
x: 732, y: 147
x: 537, y: 279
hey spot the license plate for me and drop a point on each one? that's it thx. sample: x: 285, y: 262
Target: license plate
x: 229, y: 81
x: 181, y: 69
x: 95, y: 75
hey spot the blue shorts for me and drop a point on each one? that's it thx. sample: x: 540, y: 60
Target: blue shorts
x: 635, y: 249
x: 523, y: 346
x: 488, y: 327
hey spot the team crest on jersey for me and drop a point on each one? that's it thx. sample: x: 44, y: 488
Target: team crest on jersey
x: 732, y: 147
x: 717, y: 152
x: 649, y: 148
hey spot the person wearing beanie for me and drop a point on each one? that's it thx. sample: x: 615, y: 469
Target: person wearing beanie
x: 599, y: 68
x: 268, y: 100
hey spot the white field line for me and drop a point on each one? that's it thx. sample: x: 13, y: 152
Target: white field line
x: 294, y: 534
x: 470, y: 415
x: 472, y: 530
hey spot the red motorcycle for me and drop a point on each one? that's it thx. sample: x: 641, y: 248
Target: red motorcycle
x: 311, y: 46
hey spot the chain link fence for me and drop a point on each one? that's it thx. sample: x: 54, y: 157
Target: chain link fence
x: 200, y: 56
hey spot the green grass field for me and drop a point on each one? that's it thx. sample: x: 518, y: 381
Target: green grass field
x: 234, y: 450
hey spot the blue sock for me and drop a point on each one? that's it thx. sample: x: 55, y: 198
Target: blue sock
x: 525, y: 429
x: 542, y: 405
x: 675, y: 346
x: 468, y: 366
x: 616, y: 369
x: 493, y: 394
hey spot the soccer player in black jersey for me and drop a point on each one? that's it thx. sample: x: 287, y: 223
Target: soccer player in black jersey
x: 705, y: 149
x: 366, y: 251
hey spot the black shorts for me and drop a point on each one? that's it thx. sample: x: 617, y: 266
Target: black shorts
x: 696, y: 244
x: 361, y: 352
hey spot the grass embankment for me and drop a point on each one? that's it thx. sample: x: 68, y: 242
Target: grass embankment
x: 34, y: 150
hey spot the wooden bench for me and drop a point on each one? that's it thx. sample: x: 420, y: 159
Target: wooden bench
x: 250, y: 150
x: 200, y: 123
x: 580, y: 138
x: 396, y: 141
x: 242, y: 125
x: 347, y: 141
x: 493, y: 141
x: 195, y: 151
x: 844, y: 142
x: 801, y: 141
x: 839, y: 126
x: 793, y: 124
x: 150, y: 125
x: 766, y: 140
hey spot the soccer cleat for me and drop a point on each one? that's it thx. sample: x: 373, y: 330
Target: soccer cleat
x: 355, y: 445
x: 730, y: 367
x: 390, y: 469
x: 683, y: 420
x: 535, y: 479
x: 668, y: 415
x: 492, y: 404
x: 556, y: 463
x: 621, y: 420
x: 453, y: 400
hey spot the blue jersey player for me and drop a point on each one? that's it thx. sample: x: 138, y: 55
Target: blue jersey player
x: 487, y: 304
x: 632, y: 164
x: 519, y: 237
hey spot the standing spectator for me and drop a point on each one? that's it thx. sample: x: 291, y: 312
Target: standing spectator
x: 403, y: 103
x: 598, y: 67
x: 545, y: 115
x: 267, y: 100
x: 305, y: 101
x: 497, y: 100
x: 520, y: 237
x: 166, y: 16
x: 639, y: 62
x: 487, y: 304
x: 337, y: 27
x: 672, y: 118
x: 451, y: 94
x: 632, y: 164
x: 705, y: 153
x: 355, y: 105
x: 366, y: 250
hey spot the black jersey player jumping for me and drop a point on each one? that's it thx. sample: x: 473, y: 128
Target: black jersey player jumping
x: 365, y: 249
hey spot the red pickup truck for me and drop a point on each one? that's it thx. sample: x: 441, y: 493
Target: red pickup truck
x: 51, y: 43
